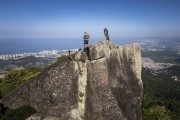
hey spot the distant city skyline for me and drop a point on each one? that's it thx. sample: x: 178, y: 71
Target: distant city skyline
x: 69, y: 19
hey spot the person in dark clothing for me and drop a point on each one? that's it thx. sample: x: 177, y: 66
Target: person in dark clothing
x: 106, y: 33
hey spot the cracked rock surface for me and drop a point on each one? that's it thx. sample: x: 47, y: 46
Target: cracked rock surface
x: 107, y: 86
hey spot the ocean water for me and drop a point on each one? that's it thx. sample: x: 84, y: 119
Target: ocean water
x: 15, y: 46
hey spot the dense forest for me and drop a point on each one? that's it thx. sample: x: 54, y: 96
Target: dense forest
x: 161, y: 99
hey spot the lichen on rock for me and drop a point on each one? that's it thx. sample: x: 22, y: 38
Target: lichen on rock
x: 107, y: 86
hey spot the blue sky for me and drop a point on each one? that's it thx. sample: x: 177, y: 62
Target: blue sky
x: 70, y: 18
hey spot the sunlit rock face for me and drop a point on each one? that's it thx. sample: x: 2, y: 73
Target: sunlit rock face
x: 107, y: 86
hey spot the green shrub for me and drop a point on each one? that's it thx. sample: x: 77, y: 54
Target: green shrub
x: 14, y: 78
x: 20, y: 113
x: 156, y: 113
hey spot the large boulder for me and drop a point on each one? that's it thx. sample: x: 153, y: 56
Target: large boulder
x: 107, y: 86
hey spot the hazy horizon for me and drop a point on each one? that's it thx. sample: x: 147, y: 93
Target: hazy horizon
x: 23, y: 45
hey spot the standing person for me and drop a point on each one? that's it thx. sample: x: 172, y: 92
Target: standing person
x: 86, y: 41
x: 106, y: 33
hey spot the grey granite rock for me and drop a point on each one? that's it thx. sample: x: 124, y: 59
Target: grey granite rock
x: 106, y: 87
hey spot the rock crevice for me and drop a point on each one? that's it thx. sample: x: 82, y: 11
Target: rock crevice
x: 106, y: 87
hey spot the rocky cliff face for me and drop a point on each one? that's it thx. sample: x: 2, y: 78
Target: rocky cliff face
x: 106, y: 87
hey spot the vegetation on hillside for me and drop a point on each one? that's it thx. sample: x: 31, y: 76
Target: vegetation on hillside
x: 20, y: 113
x: 161, y: 99
x: 14, y: 78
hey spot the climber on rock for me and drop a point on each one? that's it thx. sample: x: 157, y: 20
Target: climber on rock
x: 106, y: 33
x: 86, y: 47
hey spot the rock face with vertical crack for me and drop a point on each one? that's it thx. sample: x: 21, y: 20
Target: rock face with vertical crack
x: 106, y: 87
